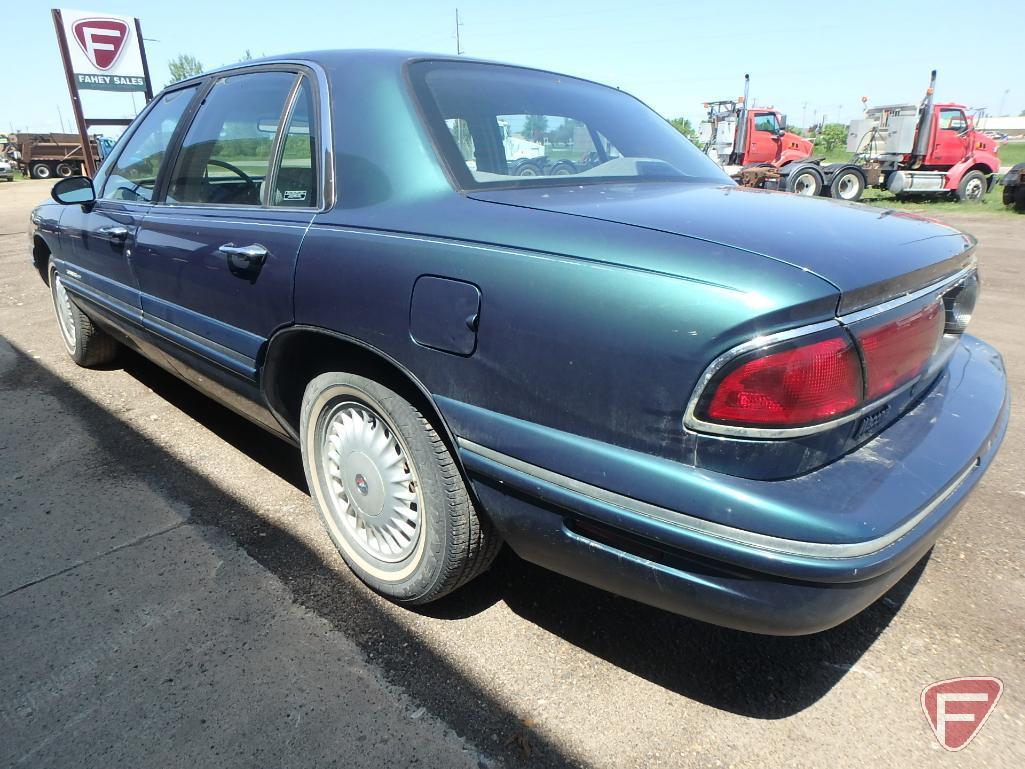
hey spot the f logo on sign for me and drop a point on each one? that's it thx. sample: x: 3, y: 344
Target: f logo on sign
x: 958, y: 707
x: 101, y: 39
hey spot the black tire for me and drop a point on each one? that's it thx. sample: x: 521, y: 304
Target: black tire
x: 847, y: 184
x: 529, y: 168
x: 1019, y: 199
x: 41, y: 171
x: 972, y: 188
x: 64, y: 170
x: 563, y: 168
x: 452, y: 542
x: 804, y: 181
x: 1009, y: 194
x: 88, y: 345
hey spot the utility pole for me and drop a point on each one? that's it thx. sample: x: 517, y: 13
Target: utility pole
x: 459, y: 47
x: 1002, y: 97
x: 804, y: 115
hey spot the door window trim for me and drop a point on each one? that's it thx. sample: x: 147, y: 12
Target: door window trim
x: 114, y: 158
x: 321, y: 119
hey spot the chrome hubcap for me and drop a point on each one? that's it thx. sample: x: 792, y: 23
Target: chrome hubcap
x: 65, y: 316
x: 973, y: 189
x: 374, y: 490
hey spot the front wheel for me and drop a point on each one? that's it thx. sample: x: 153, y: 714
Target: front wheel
x: 972, y: 187
x: 848, y: 184
x: 389, y: 492
x: 87, y: 345
x: 804, y: 181
x: 41, y: 171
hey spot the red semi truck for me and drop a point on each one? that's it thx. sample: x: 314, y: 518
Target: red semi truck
x: 907, y: 149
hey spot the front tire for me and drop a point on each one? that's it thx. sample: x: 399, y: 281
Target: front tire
x: 87, y: 345
x: 389, y: 492
x: 972, y: 188
x: 41, y: 171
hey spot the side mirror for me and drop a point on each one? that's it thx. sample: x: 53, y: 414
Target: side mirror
x: 74, y: 190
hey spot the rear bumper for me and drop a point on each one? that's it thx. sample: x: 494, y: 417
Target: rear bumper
x: 665, y: 555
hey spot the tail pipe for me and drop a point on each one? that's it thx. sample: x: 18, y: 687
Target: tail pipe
x: 924, y: 120
x: 740, y: 142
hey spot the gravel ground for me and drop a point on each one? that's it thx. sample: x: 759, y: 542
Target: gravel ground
x: 167, y: 597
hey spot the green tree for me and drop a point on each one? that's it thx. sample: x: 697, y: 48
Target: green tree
x: 535, y: 127
x: 184, y: 66
x: 684, y: 126
x: 833, y: 135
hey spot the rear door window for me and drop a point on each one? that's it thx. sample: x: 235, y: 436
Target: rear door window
x: 226, y: 154
x: 295, y: 182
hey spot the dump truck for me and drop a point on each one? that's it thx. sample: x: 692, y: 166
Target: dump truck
x: 45, y: 155
x: 924, y: 149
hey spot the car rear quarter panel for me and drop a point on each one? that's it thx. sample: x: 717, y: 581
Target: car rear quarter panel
x: 597, y: 346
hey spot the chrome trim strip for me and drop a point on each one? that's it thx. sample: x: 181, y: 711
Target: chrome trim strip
x: 778, y: 545
x: 692, y: 422
x: 946, y: 283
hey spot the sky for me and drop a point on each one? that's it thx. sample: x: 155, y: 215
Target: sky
x: 806, y: 59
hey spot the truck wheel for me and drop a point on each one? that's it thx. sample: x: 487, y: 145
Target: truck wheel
x: 41, y: 171
x: 563, y: 168
x: 87, y: 345
x: 804, y: 181
x: 847, y: 184
x: 1019, y: 199
x: 389, y: 492
x: 1009, y: 194
x: 972, y: 188
x: 529, y: 169
x: 65, y: 170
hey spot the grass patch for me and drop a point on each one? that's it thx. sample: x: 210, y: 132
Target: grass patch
x: 1012, y: 153
x: 928, y: 205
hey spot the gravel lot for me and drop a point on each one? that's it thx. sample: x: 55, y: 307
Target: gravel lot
x: 167, y: 598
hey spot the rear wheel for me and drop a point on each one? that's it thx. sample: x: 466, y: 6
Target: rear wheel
x: 847, y: 184
x: 65, y: 170
x: 804, y: 181
x: 529, y: 169
x: 1019, y: 199
x: 86, y: 344
x: 41, y: 171
x: 389, y: 492
x: 972, y: 188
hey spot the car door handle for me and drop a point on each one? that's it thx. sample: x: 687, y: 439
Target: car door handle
x: 113, y: 232
x: 252, y: 255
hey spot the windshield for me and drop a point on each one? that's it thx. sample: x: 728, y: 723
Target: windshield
x: 504, y: 126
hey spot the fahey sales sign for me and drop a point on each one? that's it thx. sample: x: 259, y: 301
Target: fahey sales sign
x: 104, y: 51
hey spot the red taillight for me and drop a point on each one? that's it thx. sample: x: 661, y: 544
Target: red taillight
x: 896, y: 352
x: 797, y: 386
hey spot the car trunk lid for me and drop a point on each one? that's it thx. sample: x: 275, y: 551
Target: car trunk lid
x: 870, y: 254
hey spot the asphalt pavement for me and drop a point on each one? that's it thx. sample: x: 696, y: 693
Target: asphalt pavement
x: 168, y: 598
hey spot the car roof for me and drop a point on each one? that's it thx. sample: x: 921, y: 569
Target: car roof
x: 350, y: 58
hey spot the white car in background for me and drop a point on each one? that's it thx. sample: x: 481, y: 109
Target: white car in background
x: 6, y: 171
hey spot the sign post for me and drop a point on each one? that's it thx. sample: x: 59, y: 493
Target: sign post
x: 100, y: 52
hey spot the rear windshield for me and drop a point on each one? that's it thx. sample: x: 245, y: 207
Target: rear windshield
x: 505, y: 126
